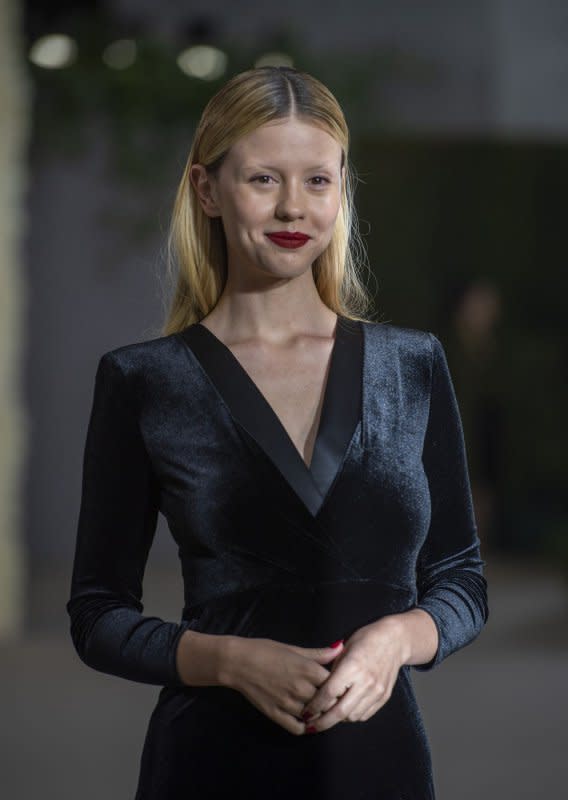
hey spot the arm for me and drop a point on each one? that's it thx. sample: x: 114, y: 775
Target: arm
x: 449, y: 572
x: 116, y: 527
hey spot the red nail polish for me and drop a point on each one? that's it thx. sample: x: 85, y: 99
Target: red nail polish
x: 306, y: 715
x: 337, y: 643
x: 311, y: 729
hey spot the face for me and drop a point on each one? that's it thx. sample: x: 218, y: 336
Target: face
x: 283, y: 176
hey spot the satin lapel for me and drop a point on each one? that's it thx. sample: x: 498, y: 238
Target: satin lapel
x: 341, y: 410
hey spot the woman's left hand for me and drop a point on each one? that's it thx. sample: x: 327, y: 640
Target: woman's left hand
x: 362, y: 677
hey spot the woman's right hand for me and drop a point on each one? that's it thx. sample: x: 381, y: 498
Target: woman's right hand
x: 277, y: 678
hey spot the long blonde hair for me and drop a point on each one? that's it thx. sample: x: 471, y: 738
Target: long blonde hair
x: 196, y: 246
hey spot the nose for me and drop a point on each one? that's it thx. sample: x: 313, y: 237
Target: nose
x: 289, y: 204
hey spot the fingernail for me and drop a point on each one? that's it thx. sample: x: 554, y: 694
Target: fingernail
x: 337, y: 643
x: 311, y: 729
x: 306, y: 716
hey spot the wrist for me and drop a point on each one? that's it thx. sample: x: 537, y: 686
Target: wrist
x: 418, y: 636
x: 201, y: 658
x: 402, y: 626
x: 228, y: 650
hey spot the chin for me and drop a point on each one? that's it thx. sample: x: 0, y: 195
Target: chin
x: 290, y: 270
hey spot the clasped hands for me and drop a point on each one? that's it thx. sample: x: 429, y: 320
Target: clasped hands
x: 362, y: 676
x: 285, y: 681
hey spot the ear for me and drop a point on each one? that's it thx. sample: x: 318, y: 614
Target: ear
x: 205, y: 189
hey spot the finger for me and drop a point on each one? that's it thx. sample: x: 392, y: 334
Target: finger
x: 371, y: 711
x: 297, y: 708
x: 296, y: 703
x: 362, y: 711
x: 322, y: 702
x: 363, y: 707
x: 288, y: 721
x: 335, y: 714
x: 309, y: 716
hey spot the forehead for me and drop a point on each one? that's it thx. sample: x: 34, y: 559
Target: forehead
x: 285, y: 139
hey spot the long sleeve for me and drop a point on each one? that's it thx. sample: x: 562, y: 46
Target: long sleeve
x: 116, y: 527
x: 449, y: 574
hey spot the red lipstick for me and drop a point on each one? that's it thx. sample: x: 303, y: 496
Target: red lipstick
x: 287, y: 239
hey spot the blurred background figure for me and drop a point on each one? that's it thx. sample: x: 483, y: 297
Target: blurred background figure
x: 474, y: 350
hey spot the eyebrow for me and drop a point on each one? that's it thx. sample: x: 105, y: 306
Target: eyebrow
x: 275, y: 169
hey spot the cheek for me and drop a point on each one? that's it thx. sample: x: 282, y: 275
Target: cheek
x: 327, y: 212
x: 250, y: 214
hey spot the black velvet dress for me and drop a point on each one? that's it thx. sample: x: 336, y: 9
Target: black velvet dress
x: 380, y: 523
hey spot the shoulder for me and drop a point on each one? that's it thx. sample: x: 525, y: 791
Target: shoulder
x: 143, y: 369
x: 135, y: 358
x: 408, y: 354
x: 400, y: 339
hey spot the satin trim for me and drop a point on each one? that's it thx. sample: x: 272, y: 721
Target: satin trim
x: 248, y: 407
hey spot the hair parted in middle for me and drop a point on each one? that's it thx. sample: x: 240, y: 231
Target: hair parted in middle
x: 196, y: 247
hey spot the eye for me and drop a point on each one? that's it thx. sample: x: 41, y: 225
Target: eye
x: 260, y: 179
x: 321, y: 178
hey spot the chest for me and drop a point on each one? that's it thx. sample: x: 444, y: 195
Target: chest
x: 234, y: 487
x: 293, y: 381
x: 215, y: 431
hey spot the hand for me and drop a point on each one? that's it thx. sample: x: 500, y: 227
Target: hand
x: 277, y: 678
x: 369, y: 665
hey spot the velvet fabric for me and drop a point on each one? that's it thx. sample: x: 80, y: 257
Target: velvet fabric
x: 381, y: 522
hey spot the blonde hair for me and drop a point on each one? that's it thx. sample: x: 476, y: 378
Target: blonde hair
x: 196, y: 247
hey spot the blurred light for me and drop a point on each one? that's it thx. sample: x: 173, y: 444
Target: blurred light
x: 202, y: 61
x: 274, y: 59
x: 120, y: 54
x: 53, y: 51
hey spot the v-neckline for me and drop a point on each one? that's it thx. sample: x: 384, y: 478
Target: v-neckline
x: 341, y: 407
x: 261, y: 397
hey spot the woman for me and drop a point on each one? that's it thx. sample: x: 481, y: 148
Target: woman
x: 311, y: 467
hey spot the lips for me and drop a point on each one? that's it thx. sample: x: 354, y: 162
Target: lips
x: 285, y: 239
